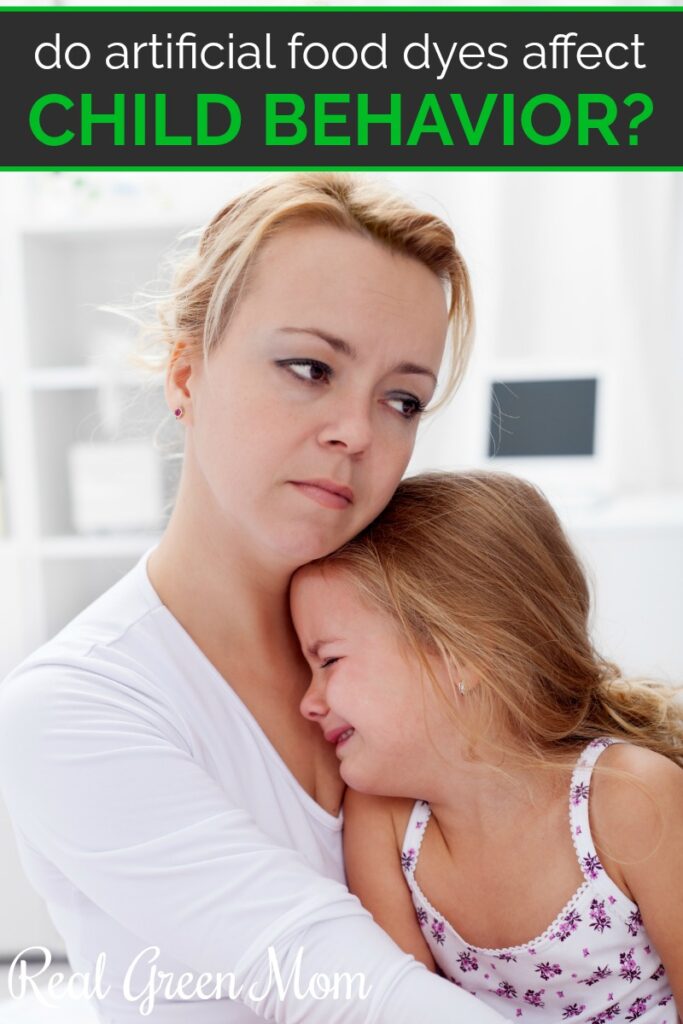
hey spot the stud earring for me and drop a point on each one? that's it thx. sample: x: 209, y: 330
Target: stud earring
x: 461, y: 688
x: 178, y: 413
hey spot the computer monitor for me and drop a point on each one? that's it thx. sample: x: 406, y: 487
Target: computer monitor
x: 543, y: 418
x: 549, y: 427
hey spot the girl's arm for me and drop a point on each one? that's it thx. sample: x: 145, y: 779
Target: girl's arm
x: 101, y: 781
x: 638, y: 809
x: 372, y: 855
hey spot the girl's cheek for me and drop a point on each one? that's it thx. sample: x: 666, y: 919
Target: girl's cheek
x: 343, y: 688
x: 334, y: 691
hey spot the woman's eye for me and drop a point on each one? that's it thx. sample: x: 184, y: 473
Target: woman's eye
x: 327, y: 662
x: 310, y: 370
x: 409, y: 406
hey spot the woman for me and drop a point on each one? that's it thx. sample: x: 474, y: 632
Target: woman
x: 170, y: 803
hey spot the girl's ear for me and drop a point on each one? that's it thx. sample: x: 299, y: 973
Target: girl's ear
x: 463, y: 676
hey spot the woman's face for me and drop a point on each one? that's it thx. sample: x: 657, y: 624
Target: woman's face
x: 302, y: 426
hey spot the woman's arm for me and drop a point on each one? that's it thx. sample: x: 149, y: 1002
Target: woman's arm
x: 99, y: 779
x: 372, y: 855
x: 638, y: 810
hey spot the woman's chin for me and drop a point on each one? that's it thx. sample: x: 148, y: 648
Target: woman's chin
x: 299, y: 547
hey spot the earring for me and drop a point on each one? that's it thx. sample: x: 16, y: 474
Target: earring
x: 178, y: 413
x: 461, y: 688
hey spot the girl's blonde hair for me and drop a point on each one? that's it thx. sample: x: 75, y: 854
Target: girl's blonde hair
x: 210, y: 281
x: 476, y: 566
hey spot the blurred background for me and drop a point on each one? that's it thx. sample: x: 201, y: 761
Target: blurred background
x: 575, y: 382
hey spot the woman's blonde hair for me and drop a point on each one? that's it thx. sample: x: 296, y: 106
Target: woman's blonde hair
x: 476, y: 566
x: 210, y: 281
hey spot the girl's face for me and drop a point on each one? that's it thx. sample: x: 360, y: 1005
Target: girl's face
x: 368, y: 692
x: 302, y: 426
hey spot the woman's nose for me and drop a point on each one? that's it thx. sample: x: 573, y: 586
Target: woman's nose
x: 350, y: 426
x: 313, y: 705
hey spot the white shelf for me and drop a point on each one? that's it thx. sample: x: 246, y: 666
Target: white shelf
x: 67, y: 383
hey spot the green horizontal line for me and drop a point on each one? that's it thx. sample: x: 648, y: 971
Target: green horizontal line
x: 342, y: 9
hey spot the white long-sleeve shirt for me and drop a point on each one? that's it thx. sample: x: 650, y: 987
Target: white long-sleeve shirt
x: 153, y: 814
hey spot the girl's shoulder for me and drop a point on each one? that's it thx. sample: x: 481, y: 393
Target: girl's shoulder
x: 636, y: 798
x: 628, y: 776
x: 636, y: 816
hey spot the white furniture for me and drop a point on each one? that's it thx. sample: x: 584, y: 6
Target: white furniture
x: 53, y: 397
x: 70, y: 244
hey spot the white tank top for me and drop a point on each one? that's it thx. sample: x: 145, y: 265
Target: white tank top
x: 593, y: 964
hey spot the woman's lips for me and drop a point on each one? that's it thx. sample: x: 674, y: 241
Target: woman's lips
x: 327, y: 494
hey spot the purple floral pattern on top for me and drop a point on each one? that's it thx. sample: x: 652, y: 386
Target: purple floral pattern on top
x: 605, y: 1015
x: 438, y: 931
x: 534, y: 998
x: 467, y: 961
x: 408, y: 859
x: 579, y: 793
x: 636, y: 1009
x: 595, y: 961
x: 506, y: 991
x: 548, y: 970
x: 599, y: 974
x: 568, y: 924
x: 629, y: 969
x: 599, y: 918
x: 591, y: 865
x: 634, y: 922
x: 573, y: 1010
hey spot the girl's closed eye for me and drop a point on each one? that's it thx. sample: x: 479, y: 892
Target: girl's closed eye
x: 326, y: 662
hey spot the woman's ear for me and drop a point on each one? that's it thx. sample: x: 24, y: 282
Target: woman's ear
x: 180, y: 368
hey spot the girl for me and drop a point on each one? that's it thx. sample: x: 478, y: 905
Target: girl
x: 453, y: 673
x: 175, y: 811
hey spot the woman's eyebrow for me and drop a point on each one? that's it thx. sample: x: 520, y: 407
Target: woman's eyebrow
x: 414, y: 368
x: 339, y: 345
